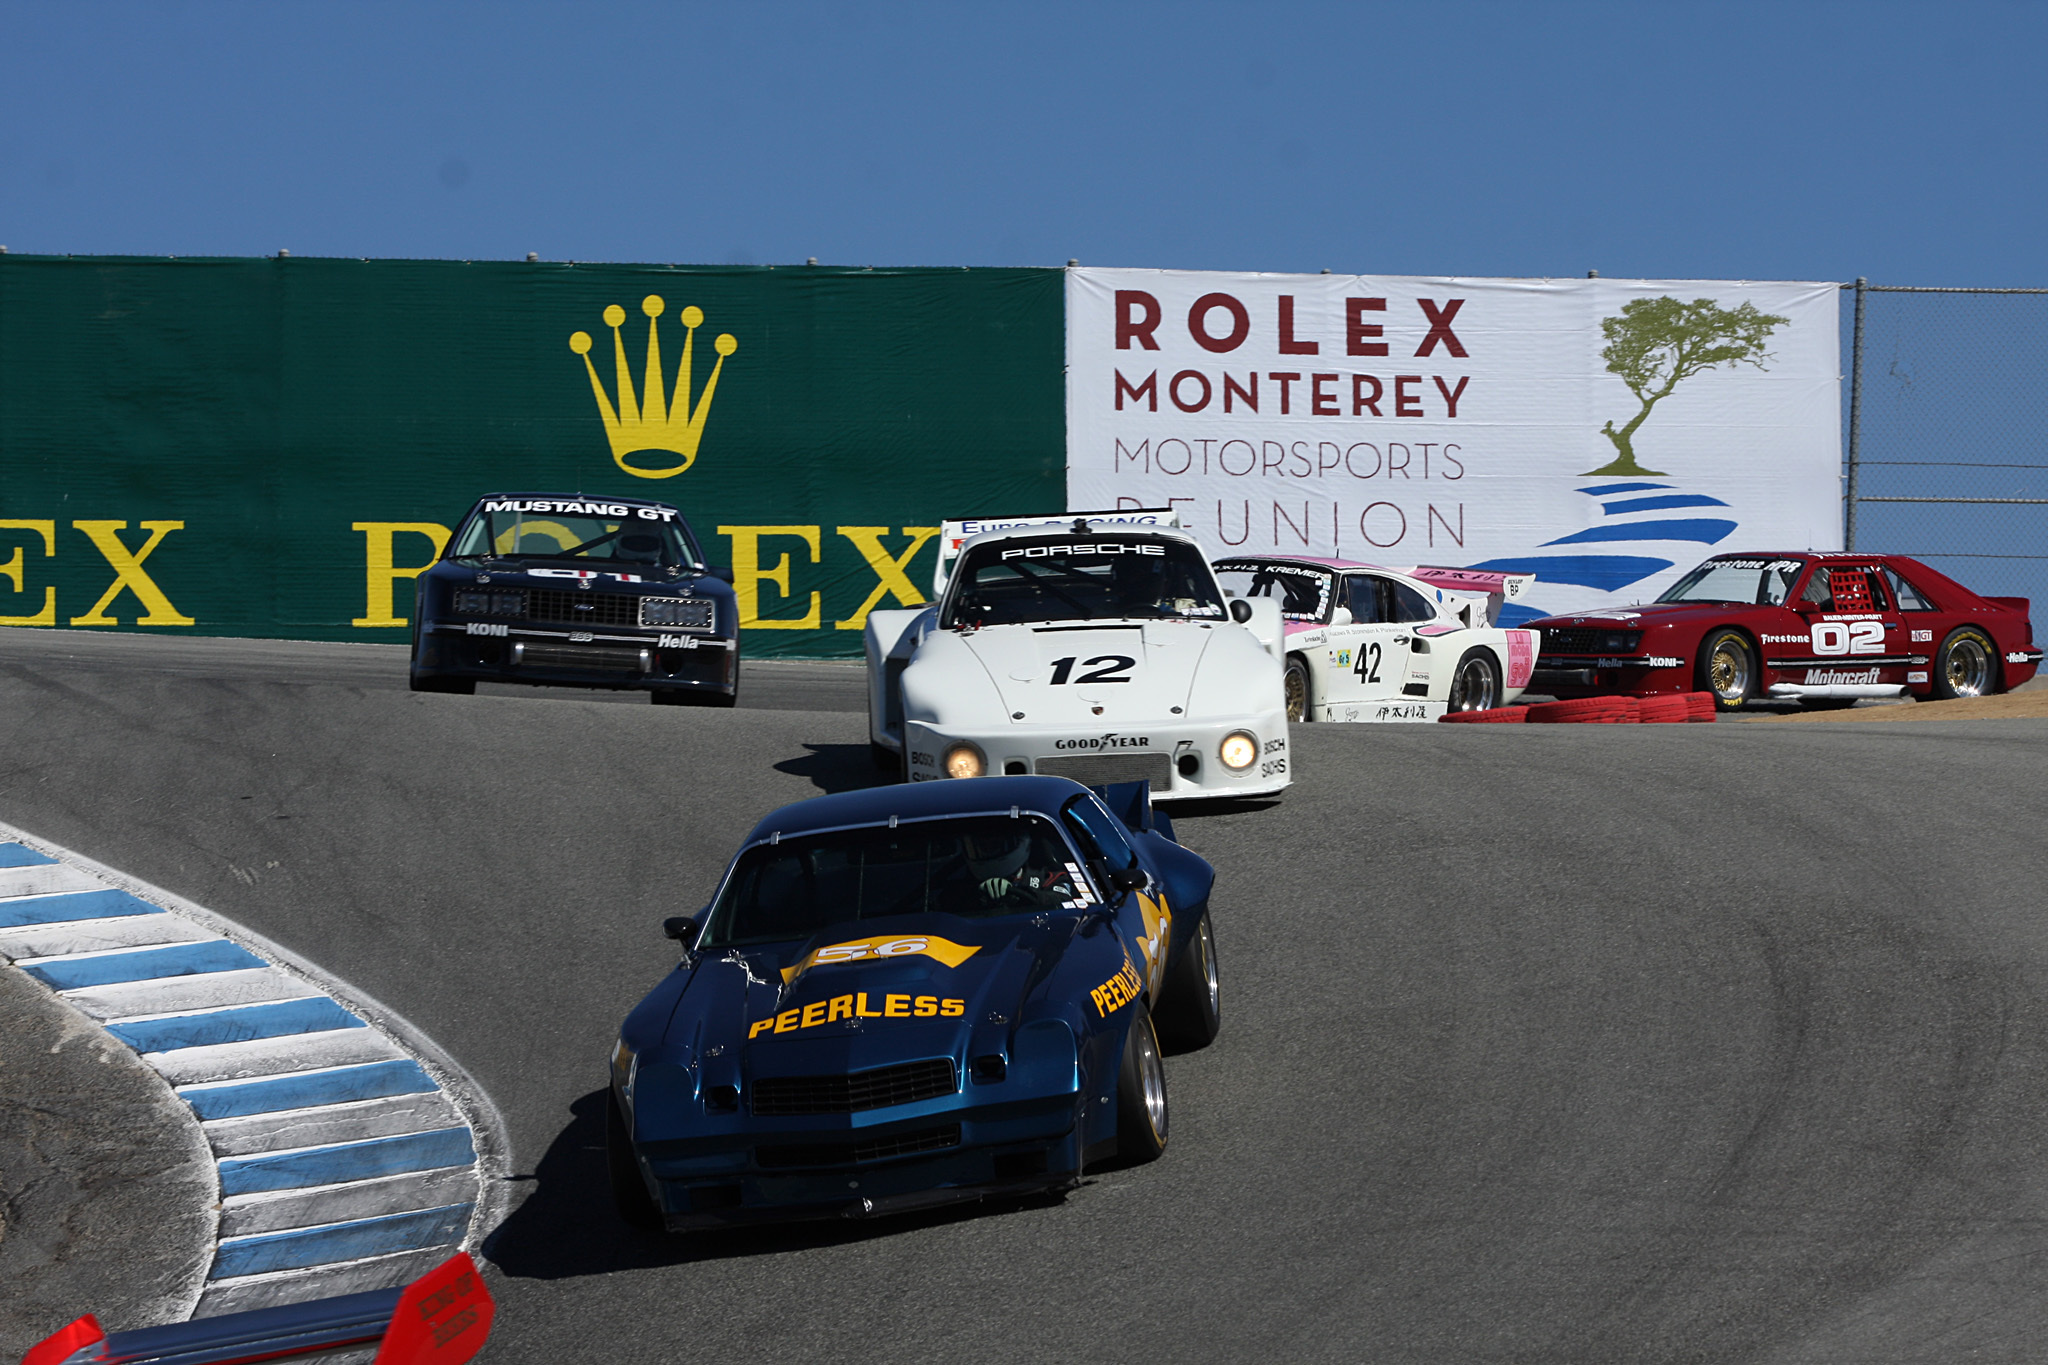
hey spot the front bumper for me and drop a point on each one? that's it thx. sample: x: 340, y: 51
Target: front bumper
x: 1589, y: 677
x: 1179, y: 759
x: 620, y: 659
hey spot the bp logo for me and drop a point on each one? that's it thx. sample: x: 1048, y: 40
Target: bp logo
x: 658, y: 420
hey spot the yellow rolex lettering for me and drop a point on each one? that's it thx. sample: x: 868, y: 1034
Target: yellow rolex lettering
x: 128, y: 574
x: 16, y: 570
x: 952, y: 1009
x: 863, y: 1012
x: 381, y: 573
x: 748, y: 575
x: 888, y: 569
x: 842, y: 1008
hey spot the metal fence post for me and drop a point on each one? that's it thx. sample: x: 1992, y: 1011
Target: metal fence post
x: 1855, y: 419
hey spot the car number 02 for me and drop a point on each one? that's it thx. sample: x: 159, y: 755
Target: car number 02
x: 1107, y: 668
x: 1848, y: 637
x: 854, y: 952
x: 1368, y: 666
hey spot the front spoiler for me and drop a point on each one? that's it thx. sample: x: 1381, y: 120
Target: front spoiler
x: 863, y: 1207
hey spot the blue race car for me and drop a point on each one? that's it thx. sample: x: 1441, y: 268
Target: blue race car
x: 913, y: 995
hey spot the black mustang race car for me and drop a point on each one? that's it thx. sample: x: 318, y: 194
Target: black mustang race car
x: 577, y: 592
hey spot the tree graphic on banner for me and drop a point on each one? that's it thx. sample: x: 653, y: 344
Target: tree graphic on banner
x: 1656, y: 344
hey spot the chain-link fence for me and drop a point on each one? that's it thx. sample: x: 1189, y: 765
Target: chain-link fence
x: 1946, y: 417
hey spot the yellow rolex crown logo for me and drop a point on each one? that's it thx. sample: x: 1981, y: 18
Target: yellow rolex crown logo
x: 653, y: 420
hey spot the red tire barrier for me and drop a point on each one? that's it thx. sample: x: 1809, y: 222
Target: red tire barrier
x: 1583, y: 710
x: 1499, y: 715
x: 1703, y: 707
x: 1676, y: 709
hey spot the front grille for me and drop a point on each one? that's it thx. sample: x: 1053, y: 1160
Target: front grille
x: 583, y: 608
x: 1589, y: 640
x: 861, y: 1090
x: 1094, y: 770
x: 852, y: 1153
x: 583, y: 658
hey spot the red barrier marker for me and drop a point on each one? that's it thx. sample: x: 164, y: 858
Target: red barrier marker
x: 443, y: 1318
x: 66, y: 1343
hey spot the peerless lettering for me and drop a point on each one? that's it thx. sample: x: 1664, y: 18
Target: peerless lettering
x: 1082, y: 547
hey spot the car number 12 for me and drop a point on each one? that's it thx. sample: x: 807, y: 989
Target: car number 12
x: 1106, y: 668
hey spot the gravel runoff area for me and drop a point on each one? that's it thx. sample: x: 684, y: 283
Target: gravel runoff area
x: 1541, y: 1043
x: 107, y: 1191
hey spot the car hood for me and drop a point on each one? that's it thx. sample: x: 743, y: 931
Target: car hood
x: 867, y: 995
x: 1641, y: 618
x: 1061, y: 674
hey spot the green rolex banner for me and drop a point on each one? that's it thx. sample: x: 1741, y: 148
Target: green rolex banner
x: 277, y: 447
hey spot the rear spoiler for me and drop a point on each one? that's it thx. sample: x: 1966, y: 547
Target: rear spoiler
x: 442, y: 1318
x: 952, y: 534
x: 1495, y: 588
x: 2022, y: 605
x: 1131, y: 802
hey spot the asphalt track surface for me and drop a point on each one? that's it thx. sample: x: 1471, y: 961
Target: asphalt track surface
x: 1541, y: 1043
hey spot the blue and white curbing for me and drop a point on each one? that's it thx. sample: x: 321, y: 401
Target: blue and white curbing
x: 352, y: 1153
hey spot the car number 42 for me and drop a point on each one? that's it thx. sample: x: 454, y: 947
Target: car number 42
x: 1368, y: 666
x: 1104, y: 668
x: 1848, y: 637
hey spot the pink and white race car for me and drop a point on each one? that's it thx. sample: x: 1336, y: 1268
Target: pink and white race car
x: 1366, y: 643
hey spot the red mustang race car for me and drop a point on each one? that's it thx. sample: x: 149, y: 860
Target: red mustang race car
x: 1822, y: 629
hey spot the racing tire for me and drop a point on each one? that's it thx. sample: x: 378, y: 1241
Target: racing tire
x: 1965, y: 666
x: 1475, y: 685
x: 629, y: 1191
x: 1141, y: 1094
x: 1670, y: 709
x: 1577, y: 710
x: 1499, y: 715
x: 459, y: 687
x: 1190, y: 1010
x: 1727, y: 668
x: 1294, y: 687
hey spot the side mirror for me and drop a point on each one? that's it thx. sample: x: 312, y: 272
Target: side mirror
x: 1128, y: 878
x: 1341, y: 617
x: 1240, y: 610
x: 681, y: 928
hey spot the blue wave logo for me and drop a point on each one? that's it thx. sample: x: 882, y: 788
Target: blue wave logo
x: 1633, y: 512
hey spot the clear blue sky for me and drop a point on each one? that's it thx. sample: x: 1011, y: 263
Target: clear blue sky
x: 1807, y: 141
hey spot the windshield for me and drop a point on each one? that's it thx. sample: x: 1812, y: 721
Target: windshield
x: 1760, y: 582
x: 576, y: 529
x: 1303, y: 593
x: 1082, y: 578
x: 978, y: 868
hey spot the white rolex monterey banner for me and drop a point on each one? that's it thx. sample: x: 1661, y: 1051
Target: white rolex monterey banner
x: 1604, y: 435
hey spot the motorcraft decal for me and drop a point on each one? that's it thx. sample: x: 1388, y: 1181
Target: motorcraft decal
x: 1820, y: 677
x: 881, y: 949
x: 855, y: 1006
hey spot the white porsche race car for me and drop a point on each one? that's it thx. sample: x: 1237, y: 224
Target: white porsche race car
x: 1094, y: 645
x: 1365, y: 643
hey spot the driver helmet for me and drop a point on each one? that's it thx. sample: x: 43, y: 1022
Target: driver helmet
x: 1000, y: 856
x: 639, y: 547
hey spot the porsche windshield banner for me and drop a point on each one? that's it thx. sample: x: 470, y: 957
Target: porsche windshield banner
x: 1604, y: 435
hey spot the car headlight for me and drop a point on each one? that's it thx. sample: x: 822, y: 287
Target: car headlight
x: 964, y: 760
x: 1238, y: 750
x: 490, y: 603
x: 1620, y: 641
x: 692, y: 613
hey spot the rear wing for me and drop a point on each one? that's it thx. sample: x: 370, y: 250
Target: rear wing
x: 953, y: 534
x: 1496, y: 588
x: 442, y: 1318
